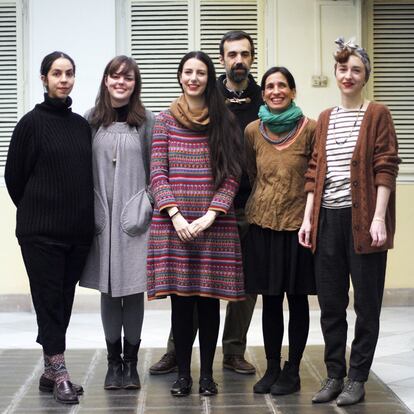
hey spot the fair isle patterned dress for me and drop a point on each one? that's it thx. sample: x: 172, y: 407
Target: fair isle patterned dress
x: 210, y: 265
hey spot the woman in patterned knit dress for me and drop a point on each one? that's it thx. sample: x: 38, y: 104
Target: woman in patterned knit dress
x: 278, y: 147
x: 194, y: 251
x: 349, y: 222
x: 116, y: 265
x: 49, y: 178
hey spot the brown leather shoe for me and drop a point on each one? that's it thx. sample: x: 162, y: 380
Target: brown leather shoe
x: 238, y: 364
x: 166, y: 364
x: 46, y: 385
x: 64, y: 393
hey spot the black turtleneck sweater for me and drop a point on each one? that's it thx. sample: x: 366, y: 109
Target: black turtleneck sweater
x: 49, y: 175
x: 122, y: 113
x: 245, y: 110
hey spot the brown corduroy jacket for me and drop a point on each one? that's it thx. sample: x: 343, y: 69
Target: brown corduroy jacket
x: 374, y: 162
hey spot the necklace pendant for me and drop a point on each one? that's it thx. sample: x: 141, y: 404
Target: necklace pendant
x: 352, y: 129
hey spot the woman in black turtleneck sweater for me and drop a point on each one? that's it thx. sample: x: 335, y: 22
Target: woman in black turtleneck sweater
x: 49, y: 178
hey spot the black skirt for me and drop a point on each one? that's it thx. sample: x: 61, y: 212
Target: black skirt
x: 275, y: 263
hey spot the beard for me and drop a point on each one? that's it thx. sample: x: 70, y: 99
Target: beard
x: 238, y: 73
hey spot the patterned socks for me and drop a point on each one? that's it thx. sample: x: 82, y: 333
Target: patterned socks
x: 48, y: 368
x: 55, y: 368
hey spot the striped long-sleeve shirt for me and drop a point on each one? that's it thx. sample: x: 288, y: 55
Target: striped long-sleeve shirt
x: 343, y: 131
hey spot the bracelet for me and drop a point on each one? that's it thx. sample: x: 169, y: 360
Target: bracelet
x: 172, y: 211
x: 378, y: 219
x: 174, y: 214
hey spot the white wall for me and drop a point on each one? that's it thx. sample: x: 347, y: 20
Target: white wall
x: 83, y: 29
x: 305, y: 34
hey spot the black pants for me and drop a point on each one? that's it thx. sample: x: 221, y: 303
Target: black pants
x: 54, y: 269
x: 335, y: 259
x: 273, y: 326
x: 208, y: 310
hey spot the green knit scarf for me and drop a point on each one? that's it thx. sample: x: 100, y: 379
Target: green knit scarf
x: 282, y: 121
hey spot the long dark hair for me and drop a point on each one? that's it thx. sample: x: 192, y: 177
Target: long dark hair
x: 224, y: 135
x: 103, y: 113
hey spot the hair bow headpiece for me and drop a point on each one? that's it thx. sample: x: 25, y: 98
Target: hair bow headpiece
x: 353, y: 48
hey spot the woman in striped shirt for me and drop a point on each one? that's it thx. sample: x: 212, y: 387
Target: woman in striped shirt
x: 194, y: 251
x: 349, y: 221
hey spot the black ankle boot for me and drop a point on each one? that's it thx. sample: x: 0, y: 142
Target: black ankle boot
x: 269, y: 378
x: 288, y: 381
x: 130, y: 377
x: 113, y: 379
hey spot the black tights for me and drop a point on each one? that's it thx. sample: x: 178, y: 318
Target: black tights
x: 273, y: 327
x: 182, y: 325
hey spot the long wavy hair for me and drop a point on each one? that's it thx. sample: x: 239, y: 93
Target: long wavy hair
x: 103, y: 112
x: 224, y: 135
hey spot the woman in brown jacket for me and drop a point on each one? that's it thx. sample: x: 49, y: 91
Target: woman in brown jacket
x: 349, y: 221
x: 278, y: 147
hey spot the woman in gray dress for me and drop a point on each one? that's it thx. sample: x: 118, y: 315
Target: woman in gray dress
x: 122, y: 131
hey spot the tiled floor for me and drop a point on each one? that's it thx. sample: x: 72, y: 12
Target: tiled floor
x: 20, y: 370
x: 21, y: 366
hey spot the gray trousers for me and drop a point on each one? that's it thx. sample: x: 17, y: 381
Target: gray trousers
x: 238, y: 314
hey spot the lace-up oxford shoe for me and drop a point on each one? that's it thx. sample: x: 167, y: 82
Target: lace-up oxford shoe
x: 352, y: 393
x: 331, y: 388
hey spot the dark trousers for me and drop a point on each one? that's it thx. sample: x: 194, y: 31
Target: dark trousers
x: 54, y: 269
x: 273, y: 326
x: 238, y: 314
x: 237, y: 322
x: 335, y: 260
x: 208, y: 311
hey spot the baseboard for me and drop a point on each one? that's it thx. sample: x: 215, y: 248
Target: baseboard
x: 90, y: 303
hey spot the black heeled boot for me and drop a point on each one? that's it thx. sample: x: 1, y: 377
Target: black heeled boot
x: 269, y: 378
x: 130, y: 374
x: 113, y: 378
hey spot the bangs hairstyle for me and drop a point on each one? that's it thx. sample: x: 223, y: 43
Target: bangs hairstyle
x: 224, y: 135
x: 103, y: 113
